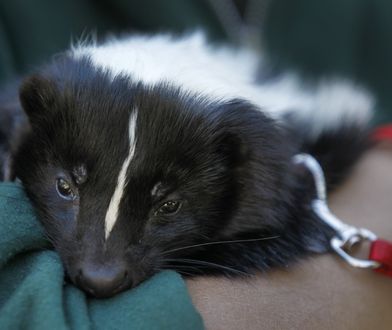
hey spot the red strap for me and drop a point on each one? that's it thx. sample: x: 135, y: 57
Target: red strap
x: 381, y: 251
x: 382, y: 133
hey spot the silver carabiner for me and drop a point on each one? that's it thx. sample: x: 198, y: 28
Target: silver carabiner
x: 347, y: 235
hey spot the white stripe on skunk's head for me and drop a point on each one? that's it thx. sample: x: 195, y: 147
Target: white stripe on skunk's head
x: 112, y: 212
x: 121, y: 173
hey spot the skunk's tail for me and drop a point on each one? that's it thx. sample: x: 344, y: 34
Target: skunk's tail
x: 335, y: 130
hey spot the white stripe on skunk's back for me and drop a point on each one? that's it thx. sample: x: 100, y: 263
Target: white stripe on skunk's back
x: 223, y: 73
x: 188, y: 62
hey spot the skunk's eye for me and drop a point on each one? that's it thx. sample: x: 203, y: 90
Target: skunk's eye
x: 64, y: 189
x: 169, y: 208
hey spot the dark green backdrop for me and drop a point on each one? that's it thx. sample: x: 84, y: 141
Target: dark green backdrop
x: 345, y: 37
x: 32, y: 31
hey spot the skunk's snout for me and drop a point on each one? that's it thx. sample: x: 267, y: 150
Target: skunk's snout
x: 104, y: 280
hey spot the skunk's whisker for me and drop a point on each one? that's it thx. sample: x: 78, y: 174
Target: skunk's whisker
x: 210, y: 264
x: 183, y: 273
x: 221, y: 242
x: 179, y: 268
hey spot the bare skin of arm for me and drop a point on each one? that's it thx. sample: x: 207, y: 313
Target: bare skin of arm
x: 320, y: 292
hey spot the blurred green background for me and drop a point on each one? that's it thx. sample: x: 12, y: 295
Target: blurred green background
x: 336, y: 37
x: 32, y: 31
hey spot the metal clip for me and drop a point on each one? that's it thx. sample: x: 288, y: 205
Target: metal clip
x: 347, y: 235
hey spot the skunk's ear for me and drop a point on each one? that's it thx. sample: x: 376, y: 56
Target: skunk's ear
x: 242, y: 128
x: 37, y: 95
x: 233, y: 147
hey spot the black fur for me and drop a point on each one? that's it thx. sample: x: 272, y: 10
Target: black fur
x: 227, y: 163
x: 12, y: 123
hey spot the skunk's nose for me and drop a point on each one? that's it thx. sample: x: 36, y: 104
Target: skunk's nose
x: 103, y: 281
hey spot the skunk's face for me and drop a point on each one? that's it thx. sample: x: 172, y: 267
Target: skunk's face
x: 124, y: 176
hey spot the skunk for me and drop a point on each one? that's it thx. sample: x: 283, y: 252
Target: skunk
x: 159, y: 152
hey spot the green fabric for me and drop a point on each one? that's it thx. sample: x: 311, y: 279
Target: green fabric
x: 33, y: 294
x: 340, y: 37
